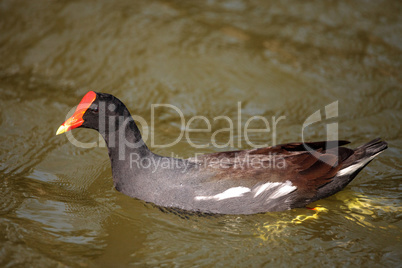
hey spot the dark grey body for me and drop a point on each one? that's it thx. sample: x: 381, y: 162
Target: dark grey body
x: 178, y: 188
x: 203, y: 186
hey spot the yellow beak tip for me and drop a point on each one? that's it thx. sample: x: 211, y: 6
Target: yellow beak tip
x: 61, y: 130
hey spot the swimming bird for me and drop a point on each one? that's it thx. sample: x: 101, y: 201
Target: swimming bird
x: 276, y: 178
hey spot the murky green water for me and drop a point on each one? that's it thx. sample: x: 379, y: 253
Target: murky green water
x: 57, y: 202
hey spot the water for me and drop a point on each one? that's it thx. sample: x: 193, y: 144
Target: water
x: 57, y: 202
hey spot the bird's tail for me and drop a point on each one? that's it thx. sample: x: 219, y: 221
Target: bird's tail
x: 360, y: 158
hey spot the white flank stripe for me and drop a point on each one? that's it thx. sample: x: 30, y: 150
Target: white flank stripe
x: 229, y: 193
x: 284, y: 189
x: 259, y: 189
x: 281, y: 189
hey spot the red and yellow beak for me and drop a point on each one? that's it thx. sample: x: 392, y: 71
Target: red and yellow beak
x: 76, y: 119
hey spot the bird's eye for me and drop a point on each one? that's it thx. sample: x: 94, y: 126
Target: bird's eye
x: 95, y: 110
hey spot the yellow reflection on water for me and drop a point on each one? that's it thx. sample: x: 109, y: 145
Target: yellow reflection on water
x: 301, y: 218
x: 362, y: 209
x: 279, y: 226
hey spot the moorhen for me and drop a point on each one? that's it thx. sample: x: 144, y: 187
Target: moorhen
x: 252, y: 181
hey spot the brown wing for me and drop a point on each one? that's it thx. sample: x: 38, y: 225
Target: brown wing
x: 308, y: 170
